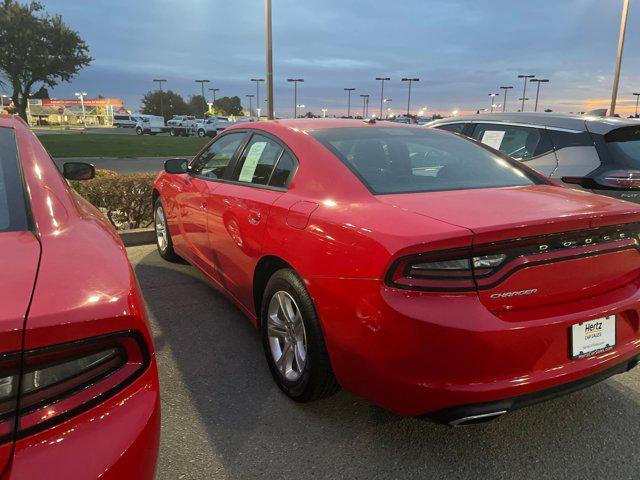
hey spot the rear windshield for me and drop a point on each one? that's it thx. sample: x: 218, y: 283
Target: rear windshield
x: 624, y: 145
x: 13, y: 212
x: 403, y: 160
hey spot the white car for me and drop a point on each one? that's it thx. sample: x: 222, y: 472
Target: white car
x: 125, y: 121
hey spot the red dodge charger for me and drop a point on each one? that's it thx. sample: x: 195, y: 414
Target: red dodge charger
x: 78, y: 378
x: 420, y: 270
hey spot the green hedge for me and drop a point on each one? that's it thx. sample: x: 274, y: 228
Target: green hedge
x: 124, y: 199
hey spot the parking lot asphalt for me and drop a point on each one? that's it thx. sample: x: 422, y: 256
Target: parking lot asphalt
x: 224, y: 418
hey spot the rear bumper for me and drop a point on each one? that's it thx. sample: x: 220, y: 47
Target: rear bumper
x: 418, y: 353
x: 117, y: 439
x: 479, y: 412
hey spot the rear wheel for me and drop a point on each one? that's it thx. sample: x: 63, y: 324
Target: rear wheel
x: 293, y: 341
x: 139, y: 131
x: 201, y: 133
x: 173, y: 132
x: 163, y: 237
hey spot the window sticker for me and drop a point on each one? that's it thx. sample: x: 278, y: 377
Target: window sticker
x: 251, y: 162
x: 493, y: 138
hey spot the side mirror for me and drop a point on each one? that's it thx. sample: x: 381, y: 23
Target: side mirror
x: 78, y: 171
x: 574, y: 180
x: 176, y: 165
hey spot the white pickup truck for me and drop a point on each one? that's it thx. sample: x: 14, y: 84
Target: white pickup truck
x: 212, y: 125
x: 182, y: 125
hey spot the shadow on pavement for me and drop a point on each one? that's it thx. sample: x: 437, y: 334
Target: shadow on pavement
x: 223, y: 417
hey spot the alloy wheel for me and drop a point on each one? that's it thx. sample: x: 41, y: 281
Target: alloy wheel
x: 161, y: 228
x: 287, y: 336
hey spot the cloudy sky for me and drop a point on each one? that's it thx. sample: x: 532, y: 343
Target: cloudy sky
x: 461, y: 50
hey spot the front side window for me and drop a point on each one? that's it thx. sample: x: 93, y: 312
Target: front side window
x: 403, y: 160
x: 518, y: 142
x: 13, y: 211
x: 262, y: 158
x: 213, y: 162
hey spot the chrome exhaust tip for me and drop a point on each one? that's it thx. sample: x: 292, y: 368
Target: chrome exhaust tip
x: 473, y: 419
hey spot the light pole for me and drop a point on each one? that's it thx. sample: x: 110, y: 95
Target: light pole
x: 388, y: 101
x: 295, y: 94
x: 258, y: 80
x: 365, y: 105
x: 250, y: 97
x: 637, y: 98
x: 213, y: 91
x: 204, y: 100
x: 616, y: 77
x: 524, y: 91
x: 324, y: 113
x: 410, y: 80
x: 538, y: 81
x: 269, y: 50
x: 160, y: 81
x: 382, y: 80
x: 504, y: 103
x: 493, y: 97
x: 523, y: 100
x: 81, y: 97
x: 349, y: 90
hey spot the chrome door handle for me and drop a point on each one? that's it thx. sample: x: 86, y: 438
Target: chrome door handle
x: 255, y: 217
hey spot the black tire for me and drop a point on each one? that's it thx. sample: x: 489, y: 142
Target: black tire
x: 202, y: 133
x: 173, y: 132
x: 139, y: 131
x: 317, y: 379
x: 166, y: 251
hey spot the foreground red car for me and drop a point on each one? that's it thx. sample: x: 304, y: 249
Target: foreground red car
x: 420, y: 270
x: 79, y: 383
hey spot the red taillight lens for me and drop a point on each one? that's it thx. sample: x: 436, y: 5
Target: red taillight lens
x: 620, y: 179
x: 60, y: 381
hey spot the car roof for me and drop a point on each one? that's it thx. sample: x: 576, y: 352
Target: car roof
x: 310, y: 124
x: 601, y: 125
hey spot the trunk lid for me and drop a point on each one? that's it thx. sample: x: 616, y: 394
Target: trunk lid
x: 560, y: 244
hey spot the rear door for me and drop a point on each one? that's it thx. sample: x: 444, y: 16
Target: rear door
x: 19, y: 256
x: 239, y: 215
x: 531, y: 145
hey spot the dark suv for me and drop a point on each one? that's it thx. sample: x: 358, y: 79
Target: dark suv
x: 600, y: 154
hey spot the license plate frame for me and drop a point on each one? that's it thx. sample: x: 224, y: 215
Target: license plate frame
x: 593, y: 337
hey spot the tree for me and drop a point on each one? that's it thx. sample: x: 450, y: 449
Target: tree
x: 197, y: 106
x: 228, y: 106
x: 42, y: 93
x: 172, y: 102
x: 36, y: 47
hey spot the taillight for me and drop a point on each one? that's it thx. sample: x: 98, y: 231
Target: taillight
x: 620, y: 179
x: 60, y: 381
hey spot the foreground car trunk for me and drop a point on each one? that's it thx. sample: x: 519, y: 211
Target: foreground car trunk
x: 551, y: 244
x: 19, y: 256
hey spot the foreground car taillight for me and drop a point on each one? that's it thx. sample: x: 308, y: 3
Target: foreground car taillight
x: 60, y: 381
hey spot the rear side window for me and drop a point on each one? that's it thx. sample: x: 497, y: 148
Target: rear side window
x: 570, y: 139
x: 13, y: 209
x: 213, y: 162
x: 405, y: 159
x: 518, y: 142
x: 452, y: 127
x: 264, y: 162
x: 623, y: 145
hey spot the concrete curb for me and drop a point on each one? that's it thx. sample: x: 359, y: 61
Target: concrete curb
x: 137, y: 236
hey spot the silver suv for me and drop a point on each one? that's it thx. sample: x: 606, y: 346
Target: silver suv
x: 600, y: 154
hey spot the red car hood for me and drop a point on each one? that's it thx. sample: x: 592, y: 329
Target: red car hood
x: 495, y: 214
x: 19, y: 256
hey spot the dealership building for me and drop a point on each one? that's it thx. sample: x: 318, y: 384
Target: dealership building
x: 76, y: 111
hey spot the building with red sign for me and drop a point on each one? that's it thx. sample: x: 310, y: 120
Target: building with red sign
x: 76, y: 111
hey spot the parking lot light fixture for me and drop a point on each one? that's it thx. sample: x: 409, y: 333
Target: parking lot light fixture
x: 295, y: 82
x: 504, y: 100
x: 258, y: 80
x: 616, y: 76
x: 382, y: 80
x: 365, y: 105
x: 637, y: 98
x: 410, y: 80
x: 387, y: 102
x: 538, y: 81
x: 204, y: 100
x: 160, y: 81
x: 524, y: 91
x: 349, y: 90
x: 213, y: 91
x: 250, y: 97
x: 81, y: 96
x: 493, y: 97
x: 324, y: 113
